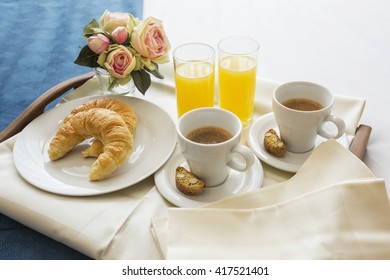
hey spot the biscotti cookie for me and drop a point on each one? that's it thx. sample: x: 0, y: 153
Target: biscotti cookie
x: 273, y: 144
x: 188, y: 183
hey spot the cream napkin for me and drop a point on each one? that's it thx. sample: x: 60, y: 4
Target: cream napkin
x: 333, y: 208
x: 116, y: 225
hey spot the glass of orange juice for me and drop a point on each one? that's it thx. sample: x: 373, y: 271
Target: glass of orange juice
x: 194, y: 76
x: 237, y: 76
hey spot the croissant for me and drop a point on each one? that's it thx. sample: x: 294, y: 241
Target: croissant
x: 106, y: 126
x: 123, y: 109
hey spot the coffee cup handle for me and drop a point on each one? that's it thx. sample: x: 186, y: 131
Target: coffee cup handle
x: 245, y: 153
x: 339, y: 123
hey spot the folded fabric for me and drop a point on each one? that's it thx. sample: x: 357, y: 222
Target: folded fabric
x: 333, y: 208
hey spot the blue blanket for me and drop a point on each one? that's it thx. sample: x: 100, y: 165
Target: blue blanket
x: 39, y: 40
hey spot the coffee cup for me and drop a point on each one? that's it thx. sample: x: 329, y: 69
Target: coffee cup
x: 209, y: 139
x: 301, y: 110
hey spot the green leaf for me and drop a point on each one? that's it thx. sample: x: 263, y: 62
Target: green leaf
x: 141, y: 80
x: 155, y: 72
x: 87, y: 58
x: 124, y: 80
x: 91, y: 28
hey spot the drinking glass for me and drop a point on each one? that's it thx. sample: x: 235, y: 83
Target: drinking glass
x: 194, y: 76
x: 237, y: 76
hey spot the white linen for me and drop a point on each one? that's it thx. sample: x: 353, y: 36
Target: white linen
x: 331, y: 43
x: 342, y: 45
x: 333, y: 208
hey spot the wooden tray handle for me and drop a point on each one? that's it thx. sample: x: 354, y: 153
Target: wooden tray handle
x: 37, y: 107
x: 359, y: 142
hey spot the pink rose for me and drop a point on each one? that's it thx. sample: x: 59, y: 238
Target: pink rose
x: 98, y: 43
x: 109, y: 21
x: 150, y: 40
x: 118, y: 61
x: 120, y: 34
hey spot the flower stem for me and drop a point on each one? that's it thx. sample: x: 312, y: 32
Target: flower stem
x: 112, y: 83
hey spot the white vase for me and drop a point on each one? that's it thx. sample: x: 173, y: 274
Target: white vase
x: 105, y: 84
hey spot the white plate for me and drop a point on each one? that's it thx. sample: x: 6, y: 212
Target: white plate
x: 237, y: 182
x: 291, y: 162
x: 154, y: 142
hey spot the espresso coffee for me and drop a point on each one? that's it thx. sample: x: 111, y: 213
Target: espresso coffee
x: 302, y: 104
x: 209, y: 135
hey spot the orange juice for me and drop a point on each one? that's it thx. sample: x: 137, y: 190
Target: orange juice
x: 237, y: 83
x: 194, y: 86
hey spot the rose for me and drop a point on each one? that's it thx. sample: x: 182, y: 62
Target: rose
x: 118, y: 61
x: 120, y: 34
x: 98, y: 43
x: 150, y: 40
x: 109, y: 21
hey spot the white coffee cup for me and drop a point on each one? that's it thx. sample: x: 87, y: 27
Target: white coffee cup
x: 211, y: 162
x: 300, y: 129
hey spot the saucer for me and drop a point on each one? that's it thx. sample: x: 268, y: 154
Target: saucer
x: 237, y: 182
x: 291, y: 162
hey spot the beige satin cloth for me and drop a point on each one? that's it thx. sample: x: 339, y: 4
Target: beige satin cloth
x: 118, y: 225
x: 333, y: 208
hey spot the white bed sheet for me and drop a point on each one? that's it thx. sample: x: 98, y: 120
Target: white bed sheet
x: 343, y: 45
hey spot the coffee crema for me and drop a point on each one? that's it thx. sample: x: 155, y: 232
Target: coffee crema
x: 302, y: 104
x: 209, y: 135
